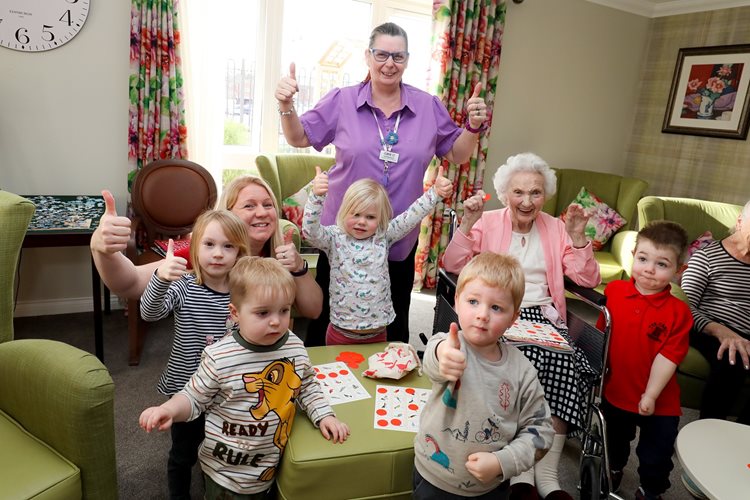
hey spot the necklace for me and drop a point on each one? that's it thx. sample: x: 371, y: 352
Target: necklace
x: 387, y: 142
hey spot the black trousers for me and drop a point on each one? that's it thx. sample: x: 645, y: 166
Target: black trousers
x: 724, y: 382
x: 424, y: 490
x: 655, y: 445
x: 186, y: 439
x: 402, y: 281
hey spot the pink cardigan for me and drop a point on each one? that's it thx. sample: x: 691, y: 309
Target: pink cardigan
x: 492, y: 233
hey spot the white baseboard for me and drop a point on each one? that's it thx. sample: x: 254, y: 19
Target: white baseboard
x: 58, y: 306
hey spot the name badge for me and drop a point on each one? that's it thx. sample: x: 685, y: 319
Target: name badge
x: 389, y: 156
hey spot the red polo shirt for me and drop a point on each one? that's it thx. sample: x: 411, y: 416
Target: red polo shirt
x: 642, y: 327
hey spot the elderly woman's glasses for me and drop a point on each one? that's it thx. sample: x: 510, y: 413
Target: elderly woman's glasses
x: 383, y: 55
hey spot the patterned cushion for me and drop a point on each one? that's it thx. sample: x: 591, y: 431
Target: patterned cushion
x: 604, y: 221
x: 701, y: 241
x: 293, y: 207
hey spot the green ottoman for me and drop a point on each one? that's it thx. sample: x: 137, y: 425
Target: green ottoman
x: 372, y: 463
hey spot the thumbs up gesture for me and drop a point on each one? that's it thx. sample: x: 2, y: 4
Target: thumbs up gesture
x: 286, y: 88
x: 320, y: 182
x: 173, y: 266
x: 113, y: 232
x: 287, y: 254
x: 451, y: 361
x: 443, y: 185
x: 476, y: 108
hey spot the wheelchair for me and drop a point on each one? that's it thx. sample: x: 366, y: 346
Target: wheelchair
x: 594, y: 479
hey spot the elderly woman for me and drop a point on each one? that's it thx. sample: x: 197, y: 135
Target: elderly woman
x: 251, y: 199
x: 548, y: 249
x: 386, y: 130
x: 717, y: 283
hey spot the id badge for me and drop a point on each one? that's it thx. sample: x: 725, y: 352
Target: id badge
x: 389, y: 156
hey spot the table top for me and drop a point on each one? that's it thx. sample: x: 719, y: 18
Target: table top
x: 65, y: 214
x: 716, y: 456
x: 307, y: 443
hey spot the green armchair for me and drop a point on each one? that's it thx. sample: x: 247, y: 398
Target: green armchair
x: 15, y: 215
x: 620, y: 193
x: 696, y: 216
x: 288, y: 173
x: 56, y: 423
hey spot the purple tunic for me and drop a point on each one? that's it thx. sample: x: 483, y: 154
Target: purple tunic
x: 344, y: 117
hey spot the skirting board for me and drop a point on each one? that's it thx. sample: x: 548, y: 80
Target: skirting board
x: 59, y: 306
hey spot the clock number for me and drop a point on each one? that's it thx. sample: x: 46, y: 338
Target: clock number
x: 66, y: 17
x: 45, y: 32
x: 21, y: 36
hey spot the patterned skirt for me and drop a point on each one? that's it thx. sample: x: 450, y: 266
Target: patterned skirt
x: 565, y: 378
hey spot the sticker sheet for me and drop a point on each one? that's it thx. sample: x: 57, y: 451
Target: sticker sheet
x: 398, y: 408
x: 339, y: 383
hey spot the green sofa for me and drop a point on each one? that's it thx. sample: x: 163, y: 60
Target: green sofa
x: 696, y: 216
x: 56, y: 423
x: 620, y: 193
x: 15, y: 215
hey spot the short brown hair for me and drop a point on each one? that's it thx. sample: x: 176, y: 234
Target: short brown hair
x: 251, y: 276
x: 665, y: 233
x: 497, y: 271
x: 233, y: 227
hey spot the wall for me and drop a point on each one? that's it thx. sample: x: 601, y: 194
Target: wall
x: 63, y: 130
x: 568, y: 80
x: 684, y: 165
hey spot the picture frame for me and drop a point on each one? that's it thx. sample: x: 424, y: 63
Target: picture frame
x: 710, y: 93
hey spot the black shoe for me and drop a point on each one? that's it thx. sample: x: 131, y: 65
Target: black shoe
x: 523, y: 491
x: 616, y: 476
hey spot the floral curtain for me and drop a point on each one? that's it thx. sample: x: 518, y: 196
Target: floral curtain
x: 466, y: 43
x: 156, y: 125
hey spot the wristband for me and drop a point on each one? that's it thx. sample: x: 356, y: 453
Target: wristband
x: 301, y: 272
x: 286, y: 113
x: 473, y: 130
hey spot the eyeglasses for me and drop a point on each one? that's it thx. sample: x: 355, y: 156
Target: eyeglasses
x: 383, y: 55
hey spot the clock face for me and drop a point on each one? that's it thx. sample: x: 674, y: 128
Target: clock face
x: 38, y: 25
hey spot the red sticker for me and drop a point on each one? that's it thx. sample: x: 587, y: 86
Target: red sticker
x: 320, y: 376
x: 396, y: 422
x: 383, y: 423
x: 344, y: 372
x: 413, y: 407
x: 333, y: 374
x: 410, y: 391
x: 381, y: 412
x: 382, y: 390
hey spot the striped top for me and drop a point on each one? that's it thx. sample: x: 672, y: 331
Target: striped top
x: 718, y: 289
x: 250, y: 394
x: 201, y: 317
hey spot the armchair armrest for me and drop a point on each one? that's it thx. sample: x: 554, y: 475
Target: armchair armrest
x: 623, y: 244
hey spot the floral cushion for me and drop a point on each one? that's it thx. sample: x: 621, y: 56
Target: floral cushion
x: 701, y: 241
x: 293, y: 207
x: 604, y: 221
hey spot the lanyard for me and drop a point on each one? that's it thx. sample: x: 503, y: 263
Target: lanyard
x: 387, y: 144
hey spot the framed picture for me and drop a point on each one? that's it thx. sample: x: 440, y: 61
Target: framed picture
x: 709, y: 94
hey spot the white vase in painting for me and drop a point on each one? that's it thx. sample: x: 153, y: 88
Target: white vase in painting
x: 706, y: 108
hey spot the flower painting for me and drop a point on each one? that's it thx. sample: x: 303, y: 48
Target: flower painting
x: 709, y: 94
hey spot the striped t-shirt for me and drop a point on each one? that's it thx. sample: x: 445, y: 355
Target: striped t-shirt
x: 201, y: 317
x: 718, y: 289
x: 249, y: 394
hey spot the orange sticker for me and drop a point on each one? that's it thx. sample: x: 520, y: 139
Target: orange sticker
x: 486, y: 197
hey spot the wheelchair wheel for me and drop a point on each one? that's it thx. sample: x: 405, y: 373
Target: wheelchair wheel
x: 590, y: 478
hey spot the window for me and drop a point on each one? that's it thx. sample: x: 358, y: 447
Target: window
x: 256, y: 40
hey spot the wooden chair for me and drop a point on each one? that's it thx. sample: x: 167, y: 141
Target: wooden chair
x: 167, y: 197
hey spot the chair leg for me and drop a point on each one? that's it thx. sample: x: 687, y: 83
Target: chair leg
x: 136, y: 332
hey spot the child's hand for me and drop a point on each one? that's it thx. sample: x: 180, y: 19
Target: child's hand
x: 483, y: 466
x: 451, y: 361
x: 173, y: 267
x: 443, y: 185
x: 333, y: 429
x: 647, y: 405
x: 320, y: 182
x: 155, y: 417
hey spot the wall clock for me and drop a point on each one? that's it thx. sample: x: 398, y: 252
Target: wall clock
x: 39, y: 25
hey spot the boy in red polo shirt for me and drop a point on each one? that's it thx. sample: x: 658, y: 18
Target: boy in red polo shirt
x: 650, y: 332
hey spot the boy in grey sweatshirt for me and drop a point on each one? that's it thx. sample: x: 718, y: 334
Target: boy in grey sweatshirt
x: 486, y: 419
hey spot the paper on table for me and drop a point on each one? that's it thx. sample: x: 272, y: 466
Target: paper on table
x: 399, y: 408
x: 339, y: 383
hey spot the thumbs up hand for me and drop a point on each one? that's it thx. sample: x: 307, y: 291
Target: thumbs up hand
x: 476, y: 108
x: 287, y: 254
x: 451, y: 361
x: 443, y: 185
x: 320, y: 182
x: 286, y: 88
x: 173, y: 266
x: 113, y: 233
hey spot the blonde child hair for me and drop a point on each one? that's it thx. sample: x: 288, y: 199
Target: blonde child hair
x: 252, y: 276
x: 233, y: 227
x: 361, y: 195
x: 229, y: 198
x: 496, y: 271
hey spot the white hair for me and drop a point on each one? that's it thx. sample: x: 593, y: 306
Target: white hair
x: 746, y: 211
x: 523, y: 162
